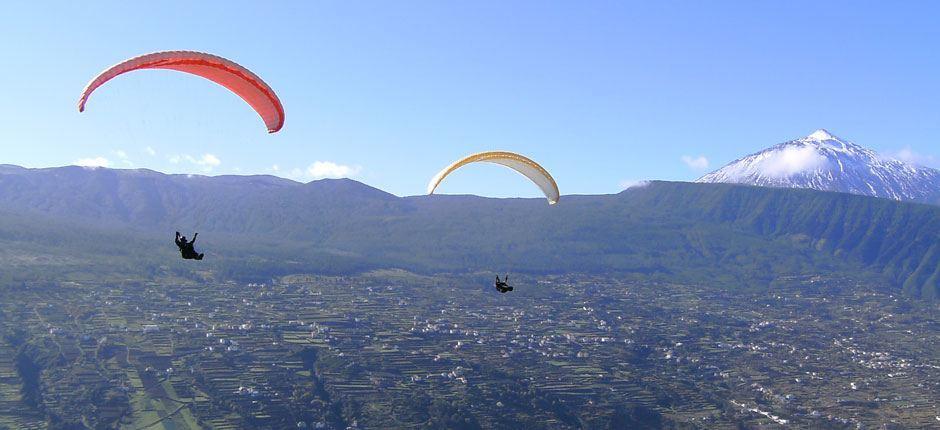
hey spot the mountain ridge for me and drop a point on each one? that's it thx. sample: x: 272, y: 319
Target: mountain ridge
x: 724, y: 234
x: 825, y: 162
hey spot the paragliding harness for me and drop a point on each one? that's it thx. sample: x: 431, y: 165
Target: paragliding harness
x: 186, y: 248
x: 503, y: 286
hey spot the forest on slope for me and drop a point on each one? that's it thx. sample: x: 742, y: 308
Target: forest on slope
x: 74, y: 222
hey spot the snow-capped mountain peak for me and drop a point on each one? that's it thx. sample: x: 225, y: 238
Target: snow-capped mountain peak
x: 823, y: 137
x: 823, y: 161
x: 821, y: 134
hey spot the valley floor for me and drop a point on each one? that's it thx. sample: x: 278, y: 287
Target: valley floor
x: 395, y: 350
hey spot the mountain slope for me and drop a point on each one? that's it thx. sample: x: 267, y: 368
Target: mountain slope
x: 825, y: 162
x: 900, y: 240
x: 261, y: 226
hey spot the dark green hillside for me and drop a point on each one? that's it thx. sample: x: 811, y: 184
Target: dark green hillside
x: 898, y: 239
x: 113, y: 221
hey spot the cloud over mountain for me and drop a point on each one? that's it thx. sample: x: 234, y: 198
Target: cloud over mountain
x: 825, y: 162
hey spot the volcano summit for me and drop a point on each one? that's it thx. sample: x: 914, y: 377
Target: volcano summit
x: 825, y: 162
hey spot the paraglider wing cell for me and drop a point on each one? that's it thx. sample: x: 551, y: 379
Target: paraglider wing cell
x: 519, y: 163
x: 226, y: 73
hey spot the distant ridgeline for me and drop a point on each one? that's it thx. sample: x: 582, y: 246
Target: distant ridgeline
x: 72, y: 222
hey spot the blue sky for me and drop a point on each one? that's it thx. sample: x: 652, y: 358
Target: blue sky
x: 600, y: 93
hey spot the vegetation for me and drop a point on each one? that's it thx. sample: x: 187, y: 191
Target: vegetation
x: 117, y: 224
x: 395, y: 350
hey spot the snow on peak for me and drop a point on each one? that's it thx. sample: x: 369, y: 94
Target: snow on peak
x: 823, y: 137
x: 824, y: 161
x: 822, y: 134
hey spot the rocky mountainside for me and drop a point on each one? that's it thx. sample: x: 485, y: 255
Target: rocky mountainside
x: 822, y: 161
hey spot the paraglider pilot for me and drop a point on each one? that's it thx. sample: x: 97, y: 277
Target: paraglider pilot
x: 186, y: 248
x: 503, y: 286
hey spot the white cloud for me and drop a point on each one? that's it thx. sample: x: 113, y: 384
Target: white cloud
x: 93, y: 162
x: 697, y: 163
x: 792, y: 160
x: 633, y: 183
x: 209, y: 160
x: 206, y: 161
x: 320, y: 170
x: 150, y: 151
x: 329, y: 169
x: 122, y: 155
x: 908, y: 155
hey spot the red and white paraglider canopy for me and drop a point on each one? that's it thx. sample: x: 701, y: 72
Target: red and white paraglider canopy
x: 226, y: 73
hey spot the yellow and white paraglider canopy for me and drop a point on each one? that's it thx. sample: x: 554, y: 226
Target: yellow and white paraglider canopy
x: 519, y: 163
